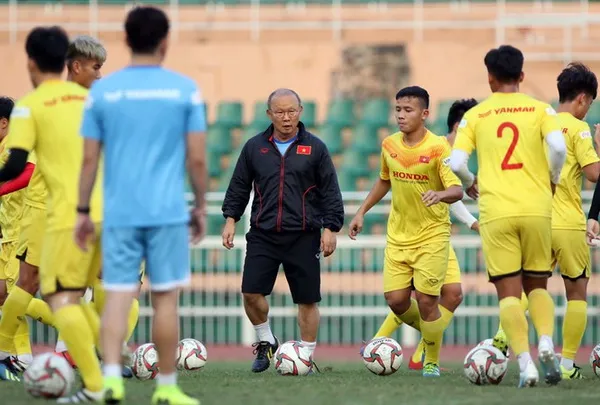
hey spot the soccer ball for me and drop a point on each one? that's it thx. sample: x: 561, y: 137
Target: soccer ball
x: 490, y: 342
x: 191, y: 355
x: 383, y: 356
x: 145, y: 362
x: 49, y: 376
x: 485, y: 365
x: 293, y: 358
x: 595, y: 360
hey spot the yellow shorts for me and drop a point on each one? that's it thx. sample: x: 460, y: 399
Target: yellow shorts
x: 9, y: 264
x: 64, y: 266
x: 453, y: 272
x: 517, y: 244
x: 425, y: 266
x: 571, y: 252
x: 33, y: 228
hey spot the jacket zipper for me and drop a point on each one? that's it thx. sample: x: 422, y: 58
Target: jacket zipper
x: 281, y: 181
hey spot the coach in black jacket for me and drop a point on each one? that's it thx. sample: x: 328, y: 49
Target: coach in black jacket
x: 296, y: 194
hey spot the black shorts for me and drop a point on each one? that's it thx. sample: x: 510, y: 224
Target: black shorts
x: 299, y: 252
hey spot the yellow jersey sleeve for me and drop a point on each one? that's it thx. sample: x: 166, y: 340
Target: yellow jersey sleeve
x: 32, y: 158
x: 465, y: 137
x: 447, y: 176
x: 22, y: 133
x: 549, y: 121
x: 583, y: 147
x: 384, y: 171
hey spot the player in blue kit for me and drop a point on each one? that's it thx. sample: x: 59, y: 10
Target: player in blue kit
x: 146, y: 121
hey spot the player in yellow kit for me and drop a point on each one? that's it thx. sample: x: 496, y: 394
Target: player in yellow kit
x: 414, y: 165
x: 47, y: 121
x: 577, y: 89
x: 509, y: 131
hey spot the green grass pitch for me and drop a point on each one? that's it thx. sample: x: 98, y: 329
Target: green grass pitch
x: 227, y: 383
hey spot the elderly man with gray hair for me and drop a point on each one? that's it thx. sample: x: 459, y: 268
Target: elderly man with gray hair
x: 296, y: 214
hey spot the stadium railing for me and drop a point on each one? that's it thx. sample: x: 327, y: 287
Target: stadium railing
x: 353, y: 306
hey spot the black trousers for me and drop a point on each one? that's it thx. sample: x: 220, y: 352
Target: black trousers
x: 299, y: 252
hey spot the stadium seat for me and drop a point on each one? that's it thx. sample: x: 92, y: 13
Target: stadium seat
x: 218, y: 139
x: 554, y: 103
x: 341, y: 112
x: 214, y: 224
x: 213, y: 159
x: 472, y: 163
x: 309, y: 114
x: 365, y: 139
x: 441, y: 113
x: 229, y: 113
x: 346, y: 180
x: 331, y: 134
x: 355, y: 163
x: 593, y: 116
x: 376, y: 112
x: 260, y: 118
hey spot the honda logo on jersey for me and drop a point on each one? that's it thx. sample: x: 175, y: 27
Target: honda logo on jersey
x: 303, y: 150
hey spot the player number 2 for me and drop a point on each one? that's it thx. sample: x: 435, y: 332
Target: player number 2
x: 506, y: 165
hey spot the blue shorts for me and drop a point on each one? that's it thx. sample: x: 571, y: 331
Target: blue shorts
x: 165, y: 249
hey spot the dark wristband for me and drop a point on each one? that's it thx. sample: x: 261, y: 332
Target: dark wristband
x: 83, y: 210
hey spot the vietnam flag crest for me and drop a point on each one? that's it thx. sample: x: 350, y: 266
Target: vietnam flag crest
x: 424, y: 159
x: 303, y: 150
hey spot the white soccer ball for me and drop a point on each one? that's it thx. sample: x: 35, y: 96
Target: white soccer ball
x: 595, y: 360
x: 293, y: 358
x: 383, y: 356
x: 485, y: 365
x: 191, y: 355
x: 145, y: 362
x: 490, y: 342
x: 49, y: 376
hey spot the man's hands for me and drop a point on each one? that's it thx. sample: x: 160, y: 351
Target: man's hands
x: 228, y: 233
x: 473, y: 191
x: 197, y: 225
x: 328, y: 242
x: 592, y: 231
x: 475, y: 226
x: 84, y: 231
x: 356, y: 226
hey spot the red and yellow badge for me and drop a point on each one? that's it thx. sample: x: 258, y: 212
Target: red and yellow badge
x: 424, y: 159
x: 303, y: 150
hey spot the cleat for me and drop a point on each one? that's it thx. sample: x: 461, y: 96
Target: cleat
x: 500, y: 342
x: 84, y: 396
x: 18, y: 365
x: 529, y: 377
x: 264, y: 351
x: 550, y: 366
x: 68, y: 358
x: 7, y: 375
x: 10, y: 368
x: 416, y: 365
x: 172, y: 395
x: 114, y: 390
x: 573, y: 374
x: 127, y: 372
x: 431, y: 370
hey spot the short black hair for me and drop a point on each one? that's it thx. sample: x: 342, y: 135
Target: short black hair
x: 458, y: 110
x: 505, y: 63
x: 145, y: 28
x: 416, y: 92
x: 47, y: 47
x: 575, y: 79
x: 6, y: 107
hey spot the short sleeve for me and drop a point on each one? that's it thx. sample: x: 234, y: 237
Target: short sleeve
x: 384, y: 171
x: 446, y: 174
x: 32, y: 158
x: 583, y: 146
x: 196, y: 119
x: 465, y: 137
x: 91, y: 125
x: 549, y: 121
x: 22, y: 132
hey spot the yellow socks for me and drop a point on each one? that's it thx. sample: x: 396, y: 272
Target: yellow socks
x: 40, y: 311
x: 433, y: 334
x: 93, y: 320
x: 134, y: 314
x: 412, y: 317
x: 524, y: 301
x: 21, y: 339
x: 389, y: 325
x: 446, y: 315
x: 14, y: 309
x: 541, y: 311
x: 512, y: 318
x: 573, y: 328
x: 77, y: 335
x: 418, y: 354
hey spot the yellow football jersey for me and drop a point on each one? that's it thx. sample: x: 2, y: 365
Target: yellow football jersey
x: 47, y: 121
x: 413, y: 170
x: 36, y: 194
x: 11, y: 207
x: 566, y: 207
x: 508, y: 132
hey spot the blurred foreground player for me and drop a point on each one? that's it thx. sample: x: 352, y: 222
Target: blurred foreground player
x: 516, y: 202
x: 145, y: 210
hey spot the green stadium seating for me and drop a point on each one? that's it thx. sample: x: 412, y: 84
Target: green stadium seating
x: 355, y: 163
x: 341, y: 112
x: 365, y: 139
x: 260, y: 118
x: 218, y: 139
x: 376, y: 112
x: 346, y: 180
x: 214, y: 163
x: 230, y: 113
x: 441, y: 114
x: 309, y: 114
x: 554, y: 103
x: 331, y: 135
x: 593, y: 115
x: 214, y: 224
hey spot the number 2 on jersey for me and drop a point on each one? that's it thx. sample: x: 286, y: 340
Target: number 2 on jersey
x: 511, y: 149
